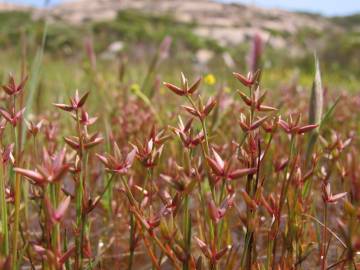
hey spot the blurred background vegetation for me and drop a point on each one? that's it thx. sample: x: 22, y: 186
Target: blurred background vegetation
x: 140, y: 35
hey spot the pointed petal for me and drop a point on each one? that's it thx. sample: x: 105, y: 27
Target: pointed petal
x: 241, y: 172
x: 7, y: 90
x: 94, y: 142
x: 245, y: 98
x: 215, y: 167
x: 218, y: 159
x: 284, y: 125
x: 64, y: 107
x: 73, y: 144
x: 338, y: 196
x: 130, y: 158
x: 306, y: 128
x: 22, y: 83
x: 103, y: 159
x: 32, y: 175
x: 83, y: 99
x: 209, y: 106
x: 6, y: 115
x: 117, y: 152
x: 174, y: 89
x: 188, y: 125
x: 184, y: 81
x: 258, y: 122
x: 204, y: 248
x: 191, y: 110
x: 61, y: 210
x: 60, y: 172
x: 39, y: 250
x: 213, y: 211
x: 244, y: 80
x: 194, y: 87
x: 265, y: 108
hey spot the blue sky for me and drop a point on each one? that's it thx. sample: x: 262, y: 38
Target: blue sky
x: 327, y: 7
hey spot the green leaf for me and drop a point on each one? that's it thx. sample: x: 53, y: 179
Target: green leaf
x: 316, y: 99
x: 315, y: 115
x: 329, y: 112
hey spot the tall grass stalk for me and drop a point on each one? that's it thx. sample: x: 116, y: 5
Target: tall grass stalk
x: 4, y: 213
x: 17, y: 189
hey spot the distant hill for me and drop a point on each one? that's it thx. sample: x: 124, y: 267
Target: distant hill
x: 196, y: 24
x: 11, y: 7
x: 228, y: 24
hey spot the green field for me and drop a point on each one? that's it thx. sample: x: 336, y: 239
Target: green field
x: 146, y: 158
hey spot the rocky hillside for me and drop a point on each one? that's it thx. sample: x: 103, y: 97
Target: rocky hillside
x: 198, y: 24
x: 4, y: 6
x: 228, y: 24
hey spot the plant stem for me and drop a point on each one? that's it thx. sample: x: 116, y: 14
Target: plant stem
x: 283, y: 193
x: 17, y: 206
x: 78, y: 222
x: 206, y: 135
x: 324, y: 242
x: 186, y: 232
x: 132, y: 240
x: 4, y: 217
x: 79, y: 200
x: 55, y: 237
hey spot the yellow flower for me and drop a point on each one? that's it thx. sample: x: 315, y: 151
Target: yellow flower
x: 210, y: 79
x: 135, y: 87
